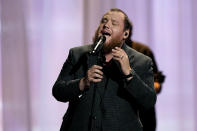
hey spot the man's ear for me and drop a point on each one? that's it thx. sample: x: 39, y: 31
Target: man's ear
x: 126, y: 34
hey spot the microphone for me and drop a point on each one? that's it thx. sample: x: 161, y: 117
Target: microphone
x: 99, y: 44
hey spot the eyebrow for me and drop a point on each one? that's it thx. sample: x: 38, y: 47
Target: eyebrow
x: 113, y: 20
x: 107, y: 18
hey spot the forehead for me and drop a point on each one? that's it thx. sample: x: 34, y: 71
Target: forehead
x: 114, y: 15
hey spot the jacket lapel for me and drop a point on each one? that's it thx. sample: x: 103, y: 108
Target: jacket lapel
x: 129, y: 51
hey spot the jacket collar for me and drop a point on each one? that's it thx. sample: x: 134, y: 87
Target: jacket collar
x: 129, y: 51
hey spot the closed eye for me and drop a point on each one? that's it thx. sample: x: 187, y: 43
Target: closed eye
x: 114, y: 22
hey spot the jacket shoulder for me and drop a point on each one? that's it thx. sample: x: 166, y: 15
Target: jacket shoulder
x: 82, y: 49
x: 138, y: 55
x: 78, y: 52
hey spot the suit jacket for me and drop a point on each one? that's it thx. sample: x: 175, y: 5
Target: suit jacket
x: 119, y: 105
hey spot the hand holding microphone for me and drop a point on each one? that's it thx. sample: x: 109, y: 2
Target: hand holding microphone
x: 94, y: 73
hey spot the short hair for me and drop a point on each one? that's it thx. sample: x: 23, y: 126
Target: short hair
x: 127, y: 25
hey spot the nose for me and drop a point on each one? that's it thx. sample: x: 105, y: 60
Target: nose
x: 107, y: 25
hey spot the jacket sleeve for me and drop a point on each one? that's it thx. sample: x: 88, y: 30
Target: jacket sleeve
x: 66, y: 86
x: 141, y: 87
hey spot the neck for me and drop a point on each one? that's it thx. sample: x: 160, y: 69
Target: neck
x: 108, y: 56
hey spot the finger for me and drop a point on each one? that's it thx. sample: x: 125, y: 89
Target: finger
x: 90, y: 79
x: 97, y: 76
x: 120, y: 56
x: 116, y: 54
x: 119, y: 49
x: 94, y: 79
x: 115, y: 51
x: 97, y: 80
x: 98, y: 71
x: 97, y: 67
x: 117, y: 58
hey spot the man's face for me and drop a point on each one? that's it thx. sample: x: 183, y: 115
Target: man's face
x: 112, y: 26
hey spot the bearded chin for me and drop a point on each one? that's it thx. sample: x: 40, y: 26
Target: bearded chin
x: 107, y: 48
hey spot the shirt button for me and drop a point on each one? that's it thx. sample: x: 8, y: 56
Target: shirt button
x: 94, y: 117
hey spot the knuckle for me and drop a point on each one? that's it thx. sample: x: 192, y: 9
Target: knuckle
x: 90, y: 79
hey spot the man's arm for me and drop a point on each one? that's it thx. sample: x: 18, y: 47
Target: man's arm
x: 66, y: 86
x: 142, y: 87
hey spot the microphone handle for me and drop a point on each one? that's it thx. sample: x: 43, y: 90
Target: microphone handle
x: 99, y: 44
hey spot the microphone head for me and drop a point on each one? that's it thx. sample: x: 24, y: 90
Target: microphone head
x: 99, y: 44
x: 103, y: 38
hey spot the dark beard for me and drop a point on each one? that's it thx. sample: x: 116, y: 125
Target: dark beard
x: 116, y: 42
x: 107, y: 48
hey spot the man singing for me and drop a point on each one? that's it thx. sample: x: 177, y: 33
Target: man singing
x: 105, y: 90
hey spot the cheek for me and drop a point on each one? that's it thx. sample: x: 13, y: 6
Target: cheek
x: 118, y: 32
x: 99, y: 30
x: 114, y: 37
x: 117, y: 36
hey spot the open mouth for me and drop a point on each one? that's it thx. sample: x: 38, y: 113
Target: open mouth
x: 106, y: 33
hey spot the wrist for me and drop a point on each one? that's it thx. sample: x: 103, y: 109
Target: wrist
x: 128, y: 72
x: 83, y: 83
x: 128, y: 75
